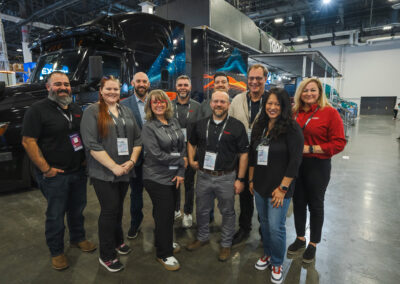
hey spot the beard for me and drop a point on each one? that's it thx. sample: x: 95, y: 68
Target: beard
x: 184, y: 95
x: 141, y: 91
x: 61, y: 100
x: 221, y: 112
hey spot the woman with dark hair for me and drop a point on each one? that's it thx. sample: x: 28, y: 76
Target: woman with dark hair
x: 275, y: 156
x: 163, y: 171
x: 112, y: 141
x: 323, y: 137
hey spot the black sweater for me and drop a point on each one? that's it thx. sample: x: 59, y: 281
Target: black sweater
x: 284, y: 159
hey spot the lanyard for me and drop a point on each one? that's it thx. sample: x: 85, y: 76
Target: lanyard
x: 115, y: 123
x: 177, y: 112
x: 259, y: 109
x: 69, y: 119
x: 220, y: 134
x: 170, y: 137
x: 265, y: 140
x: 309, y: 119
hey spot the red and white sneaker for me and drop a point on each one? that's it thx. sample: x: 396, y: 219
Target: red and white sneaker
x: 263, y: 262
x: 276, y: 274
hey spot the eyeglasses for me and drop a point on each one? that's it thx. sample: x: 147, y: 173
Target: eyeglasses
x: 158, y: 102
x: 255, y: 78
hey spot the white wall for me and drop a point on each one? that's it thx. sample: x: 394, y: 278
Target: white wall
x: 370, y: 70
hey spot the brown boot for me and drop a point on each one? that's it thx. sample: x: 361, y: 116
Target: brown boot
x: 59, y: 262
x: 224, y: 254
x: 85, y: 246
x: 196, y: 244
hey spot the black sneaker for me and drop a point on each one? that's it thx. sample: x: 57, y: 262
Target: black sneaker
x: 309, y: 254
x: 133, y: 233
x: 123, y: 249
x: 240, y: 236
x: 296, y: 246
x: 112, y: 265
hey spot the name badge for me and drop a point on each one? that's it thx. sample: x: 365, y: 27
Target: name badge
x: 76, y: 142
x: 209, y: 161
x: 249, y: 134
x: 122, y: 144
x: 184, y: 134
x: 175, y: 154
x: 262, y: 155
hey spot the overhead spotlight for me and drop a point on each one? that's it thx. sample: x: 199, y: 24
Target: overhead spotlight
x: 386, y: 28
x: 19, y: 49
x: 278, y: 20
x: 299, y: 39
x: 326, y: 2
x: 195, y: 40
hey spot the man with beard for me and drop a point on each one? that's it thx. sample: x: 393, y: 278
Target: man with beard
x: 136, y: 103
x: 186, y: 112
x: 50, y: 136
x: 219, y: 141
x: 246, y: 107
x: 221, y: 83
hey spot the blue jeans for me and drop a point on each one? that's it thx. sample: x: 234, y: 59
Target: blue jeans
x: 65, y: 194
x: 272, y: 221
x: 136, y: 184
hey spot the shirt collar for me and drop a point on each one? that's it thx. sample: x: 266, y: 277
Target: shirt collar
x: 139, y: 100
x: 312, y: 109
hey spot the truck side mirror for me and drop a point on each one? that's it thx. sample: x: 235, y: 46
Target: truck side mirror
x: 95, y: 69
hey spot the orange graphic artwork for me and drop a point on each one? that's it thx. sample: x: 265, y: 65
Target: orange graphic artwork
x: 233, y: 83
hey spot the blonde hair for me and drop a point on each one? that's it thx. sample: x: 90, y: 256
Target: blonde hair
x: 159, y: 95
x: 322, y: 99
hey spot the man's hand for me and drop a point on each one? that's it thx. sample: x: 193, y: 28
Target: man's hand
x: 239, y: 186
x: 53, y: 172
x: 195, y: 165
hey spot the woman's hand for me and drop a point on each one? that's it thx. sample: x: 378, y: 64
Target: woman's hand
x: 118, y: 170
x: 128, y: 166
x: 277, y: 198
x: 251, y: 188
x: 179, y: 180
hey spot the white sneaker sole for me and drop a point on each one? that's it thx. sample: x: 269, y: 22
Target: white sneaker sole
x: 108, y: 268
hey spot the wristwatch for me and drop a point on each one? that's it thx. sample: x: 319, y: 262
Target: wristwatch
x: 284, y: 188
x: 241, y: 179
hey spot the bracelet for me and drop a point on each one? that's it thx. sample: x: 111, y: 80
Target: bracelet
x: 132, y: 161
x: 46, y: 172
x: 281, y: 189
x: 250, y: 181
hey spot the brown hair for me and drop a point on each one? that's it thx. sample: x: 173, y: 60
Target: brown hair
x: 322, y: 100
x: 158, y: 95
x: 256, y: 66
x: 104, y: 117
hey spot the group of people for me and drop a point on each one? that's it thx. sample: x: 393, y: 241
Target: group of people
x: 257, y: 145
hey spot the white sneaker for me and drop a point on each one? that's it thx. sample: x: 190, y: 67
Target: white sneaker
x: 178, y: 214
x: 176, y: 247
x: 276, y: 274
x: 170, y: 263
x: 263, y: 262
x: 187, y: 221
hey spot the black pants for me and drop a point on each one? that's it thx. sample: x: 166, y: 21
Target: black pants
x: 395, y: 111
x: 163, y: 198
x: 189, y: 192
x: 111, y: 197
x: 246, y: 207
x: 311, y: 184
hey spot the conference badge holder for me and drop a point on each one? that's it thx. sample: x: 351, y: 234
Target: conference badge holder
x: 76, y: 142
x: 184, y: 131
x: 262, y: 155
x: 175, y: 154
x: 122, y: 144
x: 209, y: 161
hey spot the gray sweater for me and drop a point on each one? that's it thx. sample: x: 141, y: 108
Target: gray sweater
x: 92, y: 141
x: 160, y: 142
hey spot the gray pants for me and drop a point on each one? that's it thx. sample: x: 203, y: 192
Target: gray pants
x: 207, y: 188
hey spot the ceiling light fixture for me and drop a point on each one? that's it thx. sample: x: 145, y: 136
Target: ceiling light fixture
x: 326, y: 2
x: 278, y: 20
x: 19, y: 50
x: 386, y: 28
x: 299, y: 39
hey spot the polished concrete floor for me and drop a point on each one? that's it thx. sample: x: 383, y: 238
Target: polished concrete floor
x: 361, y: 235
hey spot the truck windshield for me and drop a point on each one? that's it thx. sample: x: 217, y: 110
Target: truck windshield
x: 66, y: 61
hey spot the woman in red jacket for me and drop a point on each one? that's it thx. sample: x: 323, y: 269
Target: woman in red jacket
x: 323, y: 137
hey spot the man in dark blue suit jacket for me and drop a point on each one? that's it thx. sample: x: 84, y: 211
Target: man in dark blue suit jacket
x: 136, y: 103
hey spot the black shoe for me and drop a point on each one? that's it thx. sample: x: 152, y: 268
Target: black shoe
x: 240, y: 236
x: 133, y: 234
x: 123, y: 249
x: 309, y: 254
x: 296, y: 246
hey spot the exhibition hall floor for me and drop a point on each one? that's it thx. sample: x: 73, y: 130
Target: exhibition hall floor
x: 360, y: 241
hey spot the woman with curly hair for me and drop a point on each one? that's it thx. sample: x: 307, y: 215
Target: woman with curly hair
x: 275, y: 155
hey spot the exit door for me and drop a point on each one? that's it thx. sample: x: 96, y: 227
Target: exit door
x: 377, y: 105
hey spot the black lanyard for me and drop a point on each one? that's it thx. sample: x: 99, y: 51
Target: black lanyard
x: 115, y: 123
x: 69, y: 119
x: 259, y: 110
x: 220, y: 134
x: 177, y: 112
x: 265, y: 141
x: 309, y: 119
x: 170, y: 137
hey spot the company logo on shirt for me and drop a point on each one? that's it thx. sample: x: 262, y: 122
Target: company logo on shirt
x: 226, y: 132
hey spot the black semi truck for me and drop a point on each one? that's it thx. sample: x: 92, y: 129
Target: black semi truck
x: 118, y: 45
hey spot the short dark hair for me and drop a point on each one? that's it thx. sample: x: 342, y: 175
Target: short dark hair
x: 223, y: 74
x: 256, y: 66
x: 55, y: 72
x: 183, y: 77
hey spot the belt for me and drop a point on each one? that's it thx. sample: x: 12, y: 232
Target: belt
x: 216, y: 173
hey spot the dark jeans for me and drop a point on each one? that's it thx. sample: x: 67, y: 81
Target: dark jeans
x: 111, y: 197
x: 163, y: 199
x: 189, y: 192
x: 246, y: 207
x: 65, y: 194
x: 395, y: 111
x: 137, y: 198
x: 311, y: 184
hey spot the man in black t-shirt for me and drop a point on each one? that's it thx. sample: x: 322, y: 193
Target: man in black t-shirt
x: 51, y: 138
x: 219, y: 142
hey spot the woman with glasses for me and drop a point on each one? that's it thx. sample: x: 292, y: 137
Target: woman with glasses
x: 112, y: 142
x: 163, y: 171
x: 323, y: 137
x: 275, y: 156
